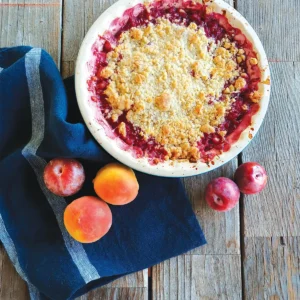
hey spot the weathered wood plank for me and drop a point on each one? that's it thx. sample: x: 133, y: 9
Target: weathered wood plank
x: 135, y: 280
x: 272, y: 268
x: 12, y: 287
x: 67, y: 68
x: 34, y: 23
x: 117, y: 294
x: 271, y: 261
x: 276, y: 211
x: 81, y: 14
x: 77, y: 19
x: 133, y: 286
x: 198, y: 277
x: 222, y: 231
x: 172, y: 279
x: 276, y: 22
x: 231, y: 2
x: 286, y: 99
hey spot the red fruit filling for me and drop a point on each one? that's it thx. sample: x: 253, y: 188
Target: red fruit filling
x: 217, y: 27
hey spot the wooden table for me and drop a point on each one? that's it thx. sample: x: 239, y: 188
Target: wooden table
x: 253, y: 251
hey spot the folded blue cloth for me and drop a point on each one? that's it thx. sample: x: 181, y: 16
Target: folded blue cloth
x: 40, y: 120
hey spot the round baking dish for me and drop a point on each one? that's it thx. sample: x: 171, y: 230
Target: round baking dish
x: 113, y: 144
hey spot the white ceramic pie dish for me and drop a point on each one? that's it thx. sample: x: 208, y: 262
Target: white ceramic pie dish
x: 113, y: 144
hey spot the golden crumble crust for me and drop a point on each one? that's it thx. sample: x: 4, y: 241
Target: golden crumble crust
x: 170, y: 82
x: 122, y: 129
x: 255, y: 96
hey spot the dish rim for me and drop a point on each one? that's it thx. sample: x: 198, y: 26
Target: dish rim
x: 112, y: 145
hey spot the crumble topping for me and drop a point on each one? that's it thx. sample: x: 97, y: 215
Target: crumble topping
x: 173, y: 87
x: 122, y: 129
x: 267, y: 81
x: 255, y: 96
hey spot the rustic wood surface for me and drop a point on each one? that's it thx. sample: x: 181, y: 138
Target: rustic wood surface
x: 198, y: 277
x: 276, y: 211
x: 35, y: 23
x: 272, y: 268
x: 253, y: 251
x: 276, y: 23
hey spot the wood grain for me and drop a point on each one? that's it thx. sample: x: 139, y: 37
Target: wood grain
x: 12, y: 286
x: 276, y: 23
x: 198, y: 277
x: 272, y: 268
x: 231, y: 2
x: 117, y: 294
x: 67, y: 68
x: 276, y: 211
x: 78, y: 17
x: 35, y: 25
x: 135, y: 280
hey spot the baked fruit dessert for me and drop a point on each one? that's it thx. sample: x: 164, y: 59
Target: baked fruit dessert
x: 175, y: 81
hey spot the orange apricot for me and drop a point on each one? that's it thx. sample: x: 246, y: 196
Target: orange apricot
x: 116, y: 184
x: 87, y: 219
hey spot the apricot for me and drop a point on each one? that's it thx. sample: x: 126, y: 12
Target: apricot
x: 87, y: 219
x: 116, y: 184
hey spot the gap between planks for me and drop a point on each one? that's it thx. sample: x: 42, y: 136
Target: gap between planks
x: 242, y: 228
x: 242, y: 221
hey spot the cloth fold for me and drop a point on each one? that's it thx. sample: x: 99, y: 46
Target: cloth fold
x: 40, y: 120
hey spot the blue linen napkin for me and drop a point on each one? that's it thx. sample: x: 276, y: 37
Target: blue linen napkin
x: 40, y: 120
